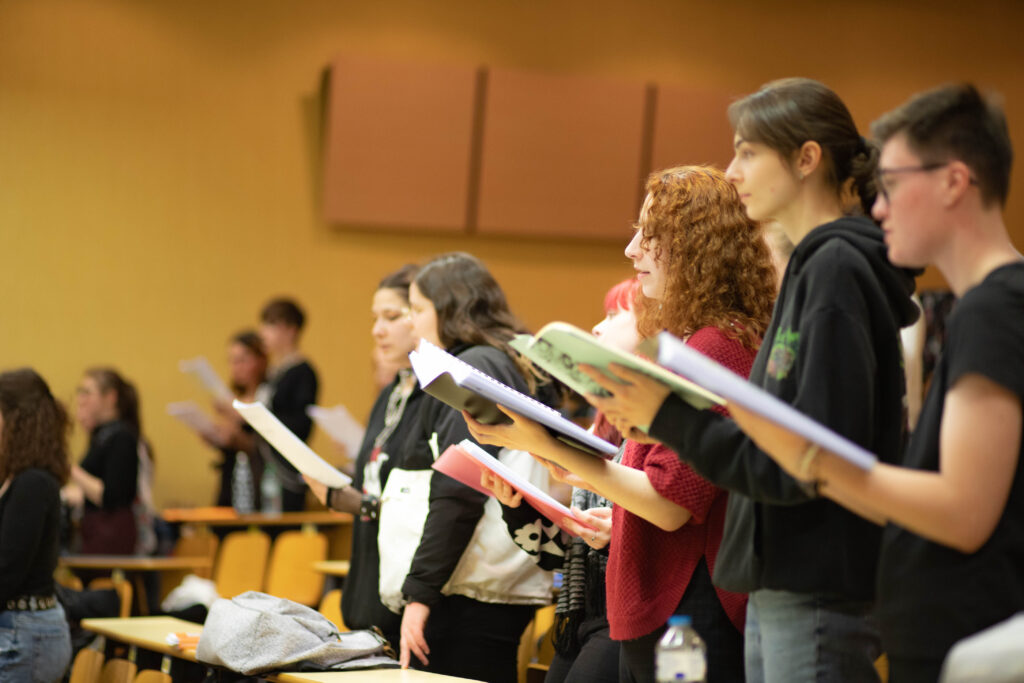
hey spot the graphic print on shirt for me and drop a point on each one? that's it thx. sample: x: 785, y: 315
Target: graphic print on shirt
x: 371, y: 472
x: 529, y: 537
x: 783, y: 354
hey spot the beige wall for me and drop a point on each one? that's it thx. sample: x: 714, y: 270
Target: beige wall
x: 158, y: 160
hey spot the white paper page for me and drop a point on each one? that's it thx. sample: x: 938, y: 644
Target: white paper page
x: 192, y: 415
x: 430, y: 361
x: 677, y: 356
x: 201, y: 369
x: 339, y: 425
x: 290, y: 446
x: 511, y: 476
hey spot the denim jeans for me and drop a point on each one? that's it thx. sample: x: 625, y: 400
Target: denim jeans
x: 804, y: 638
x: 35, y: 647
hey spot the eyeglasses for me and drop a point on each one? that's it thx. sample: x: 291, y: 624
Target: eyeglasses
x: 885, y: 186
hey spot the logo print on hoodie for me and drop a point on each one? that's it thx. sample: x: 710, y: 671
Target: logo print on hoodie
x: 783, y: 354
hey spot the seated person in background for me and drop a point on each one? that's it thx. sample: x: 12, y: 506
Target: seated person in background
x: 116, y: 470
x: 247, y: 364
x: 291, y: 387
x: 35, y: 644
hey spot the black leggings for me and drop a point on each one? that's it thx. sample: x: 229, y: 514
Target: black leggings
x: 473, y: 639
x: 596, y: 662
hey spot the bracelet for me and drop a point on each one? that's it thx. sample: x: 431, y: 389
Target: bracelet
x: 803, y: 467
x: 369, y: 507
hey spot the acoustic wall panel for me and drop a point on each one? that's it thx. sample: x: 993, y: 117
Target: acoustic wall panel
x: 561, y: 155
x: 691, y: 127
x: 398, y: 144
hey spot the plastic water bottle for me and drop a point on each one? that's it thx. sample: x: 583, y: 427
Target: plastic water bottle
x: 270, y: 490
x: 242, y: 498
x: 680, y: 655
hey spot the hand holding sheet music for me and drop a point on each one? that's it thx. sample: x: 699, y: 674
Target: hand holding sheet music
x: 290, y: 446
x: 677, y: 356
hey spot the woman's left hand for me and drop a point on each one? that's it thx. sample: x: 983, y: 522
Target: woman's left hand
x: 522, y: 435
x: 414, y: 621
x: 634, y: 401
x: 600, y: 519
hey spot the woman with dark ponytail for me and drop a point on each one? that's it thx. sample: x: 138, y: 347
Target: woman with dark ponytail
x: 832, y: 351
x: 107, y: 482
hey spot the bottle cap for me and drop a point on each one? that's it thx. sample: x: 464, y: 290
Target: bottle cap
x: 679, y: 620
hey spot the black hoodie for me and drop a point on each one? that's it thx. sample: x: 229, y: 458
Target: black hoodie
x: 832, y: 351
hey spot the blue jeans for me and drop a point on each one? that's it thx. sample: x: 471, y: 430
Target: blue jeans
x: 35, y: 647
x: 804, y: 638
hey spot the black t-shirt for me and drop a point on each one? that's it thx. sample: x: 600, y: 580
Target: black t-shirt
x: 931, y: 595
x: 113, y: 457
x: 29, y: 527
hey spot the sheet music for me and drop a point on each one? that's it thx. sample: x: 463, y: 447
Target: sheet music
x: 192, y: 415
x: 464, y: 461
x: 430, y: 362
x: 201, y: 369
x: 339, y: 425
x: 677, y: 356
x: 290, y: 446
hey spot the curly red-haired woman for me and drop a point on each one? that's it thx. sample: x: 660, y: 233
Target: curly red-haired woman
x: 706, y: 275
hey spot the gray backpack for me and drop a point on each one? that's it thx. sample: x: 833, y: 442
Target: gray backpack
x: 253, y: 633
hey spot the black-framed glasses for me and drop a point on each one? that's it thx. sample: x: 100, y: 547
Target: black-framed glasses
x: 884, y: 186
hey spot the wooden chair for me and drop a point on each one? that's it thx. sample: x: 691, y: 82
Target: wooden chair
x: 290, y: 573
x: 241, y: 562
x: 152, y: 676
x: 118, y: 670
x: 330, y: 607
x: 120, y: 584
x: 535, y: 647
x: 194, y: 543
x: 87, y: 666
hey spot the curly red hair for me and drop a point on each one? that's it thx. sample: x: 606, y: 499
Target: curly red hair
x: 719, y: 268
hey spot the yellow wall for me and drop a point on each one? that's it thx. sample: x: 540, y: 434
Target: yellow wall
x: 158, y: 160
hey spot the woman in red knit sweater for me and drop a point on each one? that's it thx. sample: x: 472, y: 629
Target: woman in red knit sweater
x: 706, y: 276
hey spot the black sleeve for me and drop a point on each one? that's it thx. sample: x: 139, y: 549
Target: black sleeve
x: 539, y: 537
x: 120, y: 470
x: 834, y: 373
x: 987, y: 340
x: 296, y: 390
x: 21, y: 531
x: 454, y: 508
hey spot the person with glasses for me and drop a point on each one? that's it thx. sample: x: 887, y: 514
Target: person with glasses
x: 832, y: 351
x: 952, y: 558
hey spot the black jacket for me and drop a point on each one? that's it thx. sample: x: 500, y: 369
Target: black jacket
x: 832, y: 351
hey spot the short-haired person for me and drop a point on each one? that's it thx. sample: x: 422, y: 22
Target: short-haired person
x: 953, y: 549
x: 832, y: 351
x: 706, y: 275
x: 291, y: 387
x: 35, y: 644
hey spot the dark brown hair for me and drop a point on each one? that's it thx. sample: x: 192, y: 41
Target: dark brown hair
x: 283, y: 311
x: 785, y: 114
x: 251, y: 341
x: 471, y: 306
x: 35, y: 426
x: 400, y: 280
x: 956, y: 122
x: 718, y: 265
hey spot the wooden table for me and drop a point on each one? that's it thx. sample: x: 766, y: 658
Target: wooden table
x: 333, y: 567
x: 228, y: 517
x: 150, y: 633
x: 134, y: 565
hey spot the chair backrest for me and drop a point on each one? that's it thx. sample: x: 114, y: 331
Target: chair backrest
x: 330, y: 607
x: 290, y: 573
x: 124, y: 591
x: 118, y: 670
x: 87, y: 666
x: 241, y: 562
x: 152, y: 676
x: 535, y: 647
x: 202, y: 543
